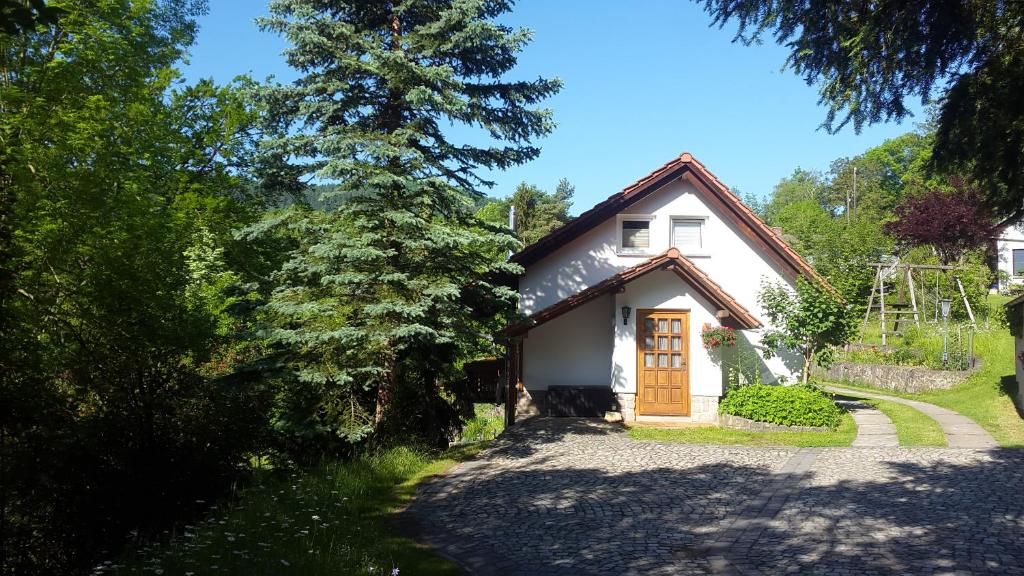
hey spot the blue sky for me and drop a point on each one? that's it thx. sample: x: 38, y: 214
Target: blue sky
x: 644, y: 81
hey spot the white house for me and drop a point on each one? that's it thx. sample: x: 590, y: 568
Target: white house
x: 617, y: 298
x: 1009, y: 252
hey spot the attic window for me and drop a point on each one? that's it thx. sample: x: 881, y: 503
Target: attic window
x: 635, y: 234
x: 688, y: 234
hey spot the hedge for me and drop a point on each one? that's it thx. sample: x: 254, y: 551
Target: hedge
x: 787, y: 405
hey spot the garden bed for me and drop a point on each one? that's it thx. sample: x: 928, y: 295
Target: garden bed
x: 910, y: 379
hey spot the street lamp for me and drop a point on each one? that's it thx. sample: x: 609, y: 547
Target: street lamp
x: 944, y: 306
x: 625, y: 315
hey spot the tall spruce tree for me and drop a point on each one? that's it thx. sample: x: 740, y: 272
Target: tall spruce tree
x: 398, y: 282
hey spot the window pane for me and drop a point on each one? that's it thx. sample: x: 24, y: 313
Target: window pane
x: 662, y: 342
x: 649, y: 342
x: 1018, y: 262
x: 662, y: 325
x: 636, y: 234
x: 686, y: 234
x: 677, y: 326
x: 677, y: 360
x: 648, y: 325
x: 662, y: 360
x: 648, y: 360
x: 677, y: 343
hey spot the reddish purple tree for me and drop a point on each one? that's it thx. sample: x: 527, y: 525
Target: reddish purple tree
x: 952, y: 222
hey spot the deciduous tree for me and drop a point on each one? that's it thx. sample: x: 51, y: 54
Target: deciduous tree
x: 951, y: 222
x: 869, y: 57
x: 808, y: 320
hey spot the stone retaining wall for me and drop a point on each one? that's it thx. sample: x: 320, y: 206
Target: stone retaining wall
x: 896, y: 378
x: 739, y: 423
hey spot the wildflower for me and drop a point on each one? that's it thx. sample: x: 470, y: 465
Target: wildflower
x: 315, y: 517
x: 285, y: 562
x: 394, y: 572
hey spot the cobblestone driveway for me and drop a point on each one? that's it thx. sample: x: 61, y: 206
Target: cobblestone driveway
x: 579, y: 497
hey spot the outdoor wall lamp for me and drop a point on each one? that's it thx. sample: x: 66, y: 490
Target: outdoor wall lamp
x: 625, y: 315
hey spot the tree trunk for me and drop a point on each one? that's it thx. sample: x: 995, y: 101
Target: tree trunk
x: 808, y: 360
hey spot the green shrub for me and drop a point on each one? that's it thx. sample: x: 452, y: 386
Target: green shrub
x: 786, y: 405
x: 488, y: 421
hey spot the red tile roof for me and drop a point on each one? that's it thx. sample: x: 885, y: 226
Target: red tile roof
x: 730, y: 311
x: 684, y: 167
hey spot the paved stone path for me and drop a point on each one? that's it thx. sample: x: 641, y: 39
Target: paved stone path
x: 564, y: 496
x: 874, y: 428
x: 960, y: 431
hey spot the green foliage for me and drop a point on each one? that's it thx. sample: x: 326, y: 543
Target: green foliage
x: 809, y: 321
x: 797, y: 405
x: 919, y: 346
x: 867, y: 58
x: 120, y: 284
x: 397, y: 281
x: 488, y: 421
x: 23, y: 16
x: 311, y: 522
x: 538, y: 213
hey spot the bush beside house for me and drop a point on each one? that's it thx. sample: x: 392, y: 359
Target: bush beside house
x: 786, y: 405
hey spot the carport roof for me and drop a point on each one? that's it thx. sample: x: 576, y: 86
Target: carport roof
x: 730, y: 312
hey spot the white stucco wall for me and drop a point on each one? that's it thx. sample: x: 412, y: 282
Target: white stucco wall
x: 728, y: 257
x: 665, y: 291
x: 1011, y: 238
x: 574, y: 349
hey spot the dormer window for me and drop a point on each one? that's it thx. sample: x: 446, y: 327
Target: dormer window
x: 634, y: 234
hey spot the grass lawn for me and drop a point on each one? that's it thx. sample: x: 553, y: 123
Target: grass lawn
x: 331, y: 520
x: 843, y: 435
x: 987, y: 396
x: 913, y: 428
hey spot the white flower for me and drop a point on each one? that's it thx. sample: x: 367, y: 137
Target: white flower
x: 394, y: 572
x: 315, y: 517
x: 285, y: 562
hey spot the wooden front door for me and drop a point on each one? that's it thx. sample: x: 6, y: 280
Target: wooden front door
x: 663, y: 363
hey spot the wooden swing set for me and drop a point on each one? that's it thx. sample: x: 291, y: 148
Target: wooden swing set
x: 908, y: 295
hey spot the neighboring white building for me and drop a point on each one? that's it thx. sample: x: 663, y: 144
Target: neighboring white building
x: 618, y: 297
x: 1009, y: 252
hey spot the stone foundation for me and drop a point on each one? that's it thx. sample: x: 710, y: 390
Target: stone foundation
x: 739, y: 423
x: 627, y: 406
x: 703, y: 409
x: 527, y: 406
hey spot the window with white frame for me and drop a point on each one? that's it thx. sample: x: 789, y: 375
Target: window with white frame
x: 634, y: 234
x: 688, y: 234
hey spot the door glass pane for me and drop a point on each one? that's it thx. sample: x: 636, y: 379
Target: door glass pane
x: 649, y: 342
x: 662, y: 360
x: 648, y: 360
x: 677, y: 326
x: 662, y: 325
x: 648, y: 325
x: 677, y: 343
x: 662, y: 342
x: 677, y: 360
